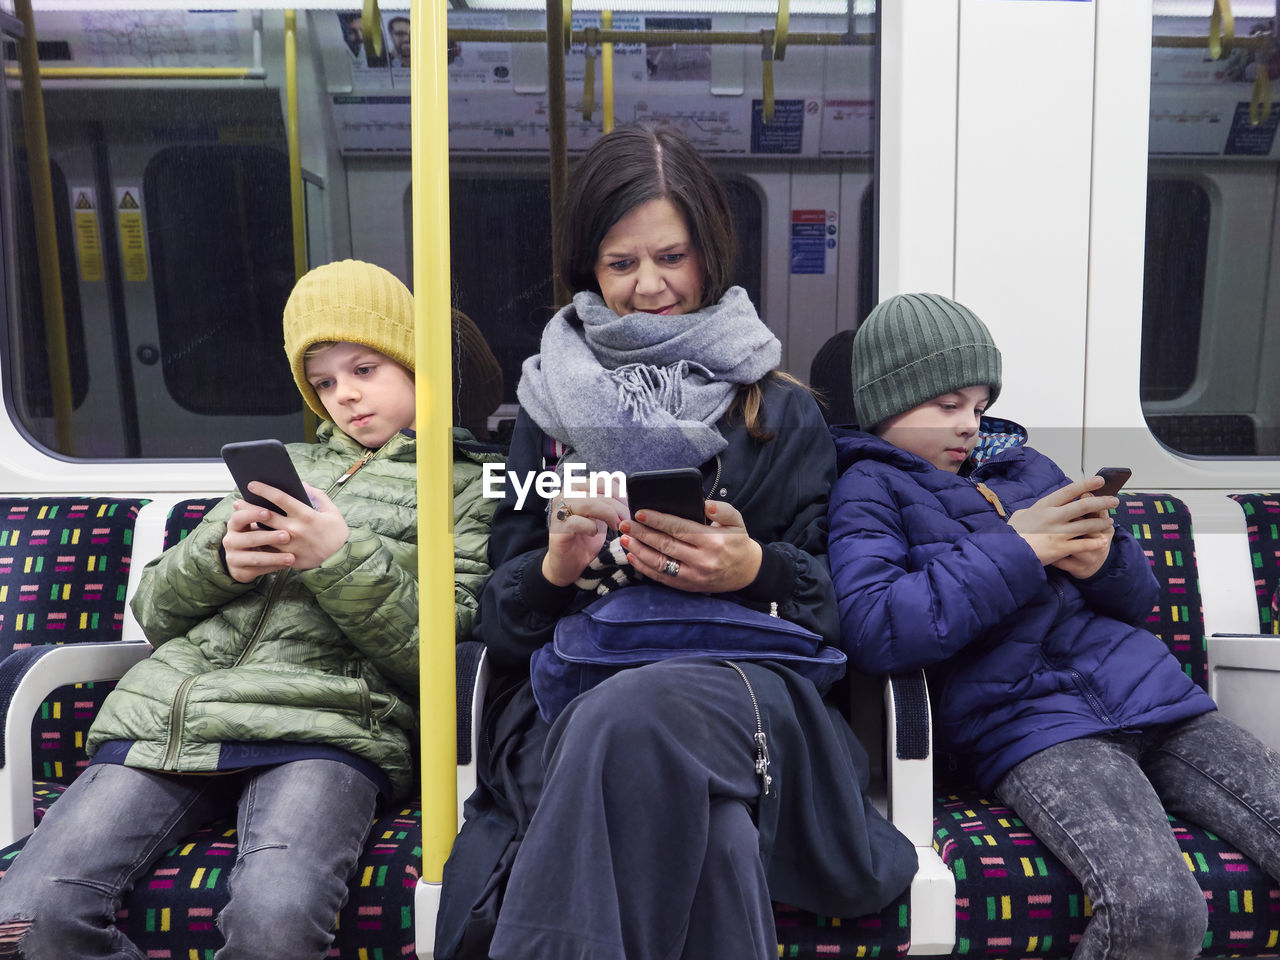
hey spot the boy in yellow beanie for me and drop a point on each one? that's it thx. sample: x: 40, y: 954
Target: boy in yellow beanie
x: 284, y: 680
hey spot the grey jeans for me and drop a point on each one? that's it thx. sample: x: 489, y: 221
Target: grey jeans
x: 300, y: 829
x: 1099, y: 804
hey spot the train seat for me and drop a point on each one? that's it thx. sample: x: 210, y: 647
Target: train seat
x: 1262, y: 523
x: 64, y: 572
x: 171, y: 910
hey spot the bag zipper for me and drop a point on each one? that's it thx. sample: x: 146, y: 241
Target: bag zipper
x: 762, y: 743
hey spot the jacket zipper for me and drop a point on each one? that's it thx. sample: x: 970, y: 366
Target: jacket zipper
x: 176, y: 714
x: 1091, y: 697
x: 762, y: 744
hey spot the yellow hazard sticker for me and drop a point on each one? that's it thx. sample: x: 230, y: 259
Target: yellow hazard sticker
x: 84, y: 204
x: 133, y: 238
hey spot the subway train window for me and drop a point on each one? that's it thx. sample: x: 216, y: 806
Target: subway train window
x: 174, y: 239
x: 1173, y: 295
x: 31, y: 392
x: 1210, y: 305
x: 244, y: 250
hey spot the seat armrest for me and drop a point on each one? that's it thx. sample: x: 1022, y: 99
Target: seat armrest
x: 29, y: 676
x: 1244, y: 680
x: 909, y: 733
x: 472, y: 683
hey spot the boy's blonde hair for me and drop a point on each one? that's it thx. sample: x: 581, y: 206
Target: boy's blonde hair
x: 347, y: 301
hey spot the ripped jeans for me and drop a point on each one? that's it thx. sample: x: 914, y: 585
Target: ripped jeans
x: 300, y: 828
x: 1099, y: 804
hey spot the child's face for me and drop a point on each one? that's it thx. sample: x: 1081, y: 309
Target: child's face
x: 942, y: 430
x: 647, y: 263
x: 367, y: 394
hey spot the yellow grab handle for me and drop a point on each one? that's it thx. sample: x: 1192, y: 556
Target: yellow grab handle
x: 780, y: 29
x: 1222, y: 29
x: 1260, y: 101
x: 371, y: 27
x: 589, y: 74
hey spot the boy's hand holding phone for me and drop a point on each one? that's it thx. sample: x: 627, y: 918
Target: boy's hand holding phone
x: 1066, y: 525
x: 302, y: 539
x: 282, y: 522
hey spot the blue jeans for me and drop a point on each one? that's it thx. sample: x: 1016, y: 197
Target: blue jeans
x: 1099, y: 804
x: 300, y: 828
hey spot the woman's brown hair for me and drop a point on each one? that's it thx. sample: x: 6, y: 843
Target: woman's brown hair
x: 627, y: 168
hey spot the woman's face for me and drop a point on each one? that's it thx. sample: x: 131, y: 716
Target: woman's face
x: 647, y: 263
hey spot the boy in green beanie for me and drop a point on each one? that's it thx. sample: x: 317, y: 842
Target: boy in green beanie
x: 285, y: 676
x: 957, y: 548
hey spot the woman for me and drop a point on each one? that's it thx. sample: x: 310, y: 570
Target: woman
x: 664, y: 826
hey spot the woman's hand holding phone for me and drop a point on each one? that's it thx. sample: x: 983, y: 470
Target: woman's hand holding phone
x: 716, y: 558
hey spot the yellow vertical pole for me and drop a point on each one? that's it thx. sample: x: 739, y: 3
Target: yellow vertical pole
x: 297, y: 206
x: 55, y: 322
x: 606, y: 70
x: 557, y: 117
x: 429, y: 118
x: 295, y: 143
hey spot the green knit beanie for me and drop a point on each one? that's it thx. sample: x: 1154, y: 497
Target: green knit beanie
x: 917, y: 346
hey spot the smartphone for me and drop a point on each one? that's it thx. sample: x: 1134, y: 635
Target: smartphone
x: 266, y: 461
x: 677, y: 492
x: 1114, y: 479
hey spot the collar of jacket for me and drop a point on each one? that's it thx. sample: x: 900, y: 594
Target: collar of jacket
x: 995, y: 436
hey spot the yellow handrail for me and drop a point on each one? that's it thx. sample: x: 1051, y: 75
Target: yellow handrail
x: 146, y: 73
x: 606, y: 71
x: 557, y: 26
x: 55, y: 321
x: 295, y: 142
x: 429, y: 133
x: 699, y: 37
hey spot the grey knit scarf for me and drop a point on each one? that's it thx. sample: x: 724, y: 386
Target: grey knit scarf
x: 644, y: 391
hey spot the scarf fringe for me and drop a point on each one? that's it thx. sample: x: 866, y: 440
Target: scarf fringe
x: 644, y: 389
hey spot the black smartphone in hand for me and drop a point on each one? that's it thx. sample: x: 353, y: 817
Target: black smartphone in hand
x: 268, y: 462
x: 677, y: 492
x: 1114, y: 480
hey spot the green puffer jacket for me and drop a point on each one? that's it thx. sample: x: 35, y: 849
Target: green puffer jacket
x: 328, y: 655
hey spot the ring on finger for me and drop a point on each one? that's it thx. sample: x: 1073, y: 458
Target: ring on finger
x: 671, y: 567
x: 563, y: 511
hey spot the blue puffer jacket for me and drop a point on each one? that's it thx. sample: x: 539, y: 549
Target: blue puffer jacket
x: 1019, y: 656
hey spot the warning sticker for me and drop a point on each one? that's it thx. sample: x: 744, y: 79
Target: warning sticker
x: 133, y: 239
x: 84, y: 203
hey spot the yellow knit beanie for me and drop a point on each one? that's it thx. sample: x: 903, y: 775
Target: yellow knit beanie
x: 348, y: 301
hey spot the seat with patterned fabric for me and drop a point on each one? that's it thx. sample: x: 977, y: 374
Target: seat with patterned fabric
x: 1016, y: 899
x: 1262, y: 523
x: 64, y: 572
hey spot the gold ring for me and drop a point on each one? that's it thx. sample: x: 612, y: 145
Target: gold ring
x: 563, y: 511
